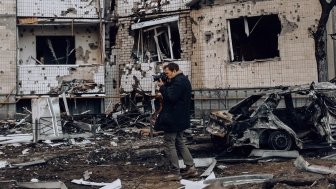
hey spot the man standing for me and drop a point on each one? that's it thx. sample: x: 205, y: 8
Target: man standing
x: 174, y: 118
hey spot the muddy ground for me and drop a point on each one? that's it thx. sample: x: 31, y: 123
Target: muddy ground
x: 137, y: 162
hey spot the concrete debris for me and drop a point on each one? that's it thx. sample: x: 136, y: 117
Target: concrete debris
x: 188, y: 184
x: 114, y: 144
x: 114, y: 185
x: 3, y: 164
x: 55, y: 185
x: 75, y: 86
x: 274, y: 153
x: 35, y: 162
x: 209, y: 170
x: 17, y: 138
x: 303, y: 165
x: 330, y: 157
x: 25, y: 151
x: 241, y: 179
x: 86, y: 175
x: 222, y: 167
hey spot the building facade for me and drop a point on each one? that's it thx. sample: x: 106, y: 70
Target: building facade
x: 94, y: 52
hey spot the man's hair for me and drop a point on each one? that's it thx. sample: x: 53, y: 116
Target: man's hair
x: 172, y: 66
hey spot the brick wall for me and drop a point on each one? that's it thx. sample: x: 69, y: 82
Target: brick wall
x: 212, y: 68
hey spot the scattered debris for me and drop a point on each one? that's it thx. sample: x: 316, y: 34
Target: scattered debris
x: 209, y: 170
x: 302, y: 164
x: 86, y: 175
x: 54, y: 185
x: 20, y: 165
x: 3, y: 164
x: 16, y: 138
x: 241, y: 179
x: 330, y: 157
x: 114, y: 185
x: 196, y: 184
x: 274, y: 153
x: 276, y: 123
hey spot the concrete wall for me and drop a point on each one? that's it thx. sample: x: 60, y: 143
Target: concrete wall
x: 59, y: 8
x: 297, y: 65
x: 8, y: 57
x: 78, y: 18
x: 86, y: 42
x: 46, y: 79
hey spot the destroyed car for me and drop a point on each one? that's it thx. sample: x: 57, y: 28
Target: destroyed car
x: 281, y: 119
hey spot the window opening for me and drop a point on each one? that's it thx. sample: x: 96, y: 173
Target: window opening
x: 254, y: 38
x: 157, y: 43
x: 52, y: 50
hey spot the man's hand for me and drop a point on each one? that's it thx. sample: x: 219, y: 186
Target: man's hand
x: 158, y: 95
x: 160, y: 83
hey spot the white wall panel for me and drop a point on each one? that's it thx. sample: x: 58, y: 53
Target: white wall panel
x: 58, y: 8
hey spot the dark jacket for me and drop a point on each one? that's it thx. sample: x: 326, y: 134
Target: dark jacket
x: 175, y: 114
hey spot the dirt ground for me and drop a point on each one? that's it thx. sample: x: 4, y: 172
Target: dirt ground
x: 137, y: 162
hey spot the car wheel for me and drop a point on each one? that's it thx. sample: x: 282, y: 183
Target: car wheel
x: 280, y: 140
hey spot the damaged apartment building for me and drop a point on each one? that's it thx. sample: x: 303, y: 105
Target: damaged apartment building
x: 58, y: 50
x: 229, y: 49
x: 90, y: 53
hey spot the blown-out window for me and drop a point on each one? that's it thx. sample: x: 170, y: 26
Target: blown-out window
x: 157, y: 40
x: 254, y: 38
x: 55, y: 49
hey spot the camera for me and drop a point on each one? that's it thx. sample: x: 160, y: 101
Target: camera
x: 161, y: 76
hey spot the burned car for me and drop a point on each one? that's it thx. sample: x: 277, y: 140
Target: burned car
x: 281, y: 119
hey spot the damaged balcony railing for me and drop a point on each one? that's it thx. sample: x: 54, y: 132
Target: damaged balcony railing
x: 47, y: 128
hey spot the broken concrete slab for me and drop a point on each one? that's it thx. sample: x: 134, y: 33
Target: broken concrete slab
x: 54, y: 185
x: 114, y: 185
x: 330, y: 157
x: 16, y: 138
x: 35, y: 162
x: 274, y: 153
x: 303, y: 165
x: 293, y: 181
x: 241, y: 179
x: 209, y: 170
x: 188, y: 184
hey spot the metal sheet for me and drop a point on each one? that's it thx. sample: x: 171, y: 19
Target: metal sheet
x: 154, y: 22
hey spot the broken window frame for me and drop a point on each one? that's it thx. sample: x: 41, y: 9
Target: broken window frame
x: 272, y: 50
x: 67, y: 57
x: 157, y: 29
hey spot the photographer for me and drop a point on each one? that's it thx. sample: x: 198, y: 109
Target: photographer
x: 174, y: 119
